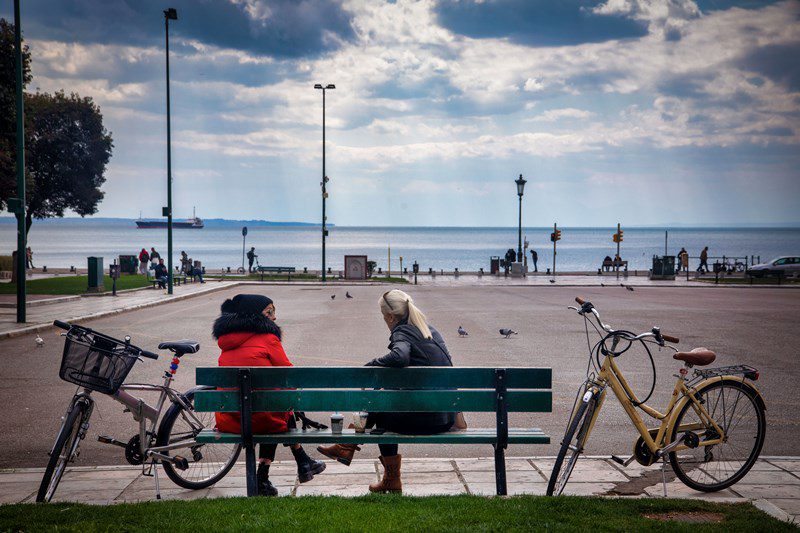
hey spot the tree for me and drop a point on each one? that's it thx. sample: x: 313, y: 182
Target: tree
x: 67, y: 147
x: 67, y: 150
x: 8, y: 109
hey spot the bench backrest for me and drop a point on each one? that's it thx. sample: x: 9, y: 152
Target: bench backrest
x: 413, y: 389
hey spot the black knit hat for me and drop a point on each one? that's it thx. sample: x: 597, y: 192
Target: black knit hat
x: 246, y: 304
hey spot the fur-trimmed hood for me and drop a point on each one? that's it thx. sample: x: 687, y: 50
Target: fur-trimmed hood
x: 244, y: 323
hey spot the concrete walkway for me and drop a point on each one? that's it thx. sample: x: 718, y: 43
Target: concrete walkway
x: 773, y: 484
x: 41, y: 316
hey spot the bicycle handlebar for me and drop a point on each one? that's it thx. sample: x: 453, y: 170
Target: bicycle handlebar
x: 669, y: 338
x: 588, y: 307
x: 67, y: 326
x: 580, y: 300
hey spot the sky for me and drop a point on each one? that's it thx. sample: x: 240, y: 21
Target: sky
x: 641, y: 112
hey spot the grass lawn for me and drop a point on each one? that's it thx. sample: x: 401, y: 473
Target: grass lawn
x: 746, y: 281
x: 62, y: 285
x: 394, y: 513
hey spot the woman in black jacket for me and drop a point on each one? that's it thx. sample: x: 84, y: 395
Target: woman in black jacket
x: 413, y: 342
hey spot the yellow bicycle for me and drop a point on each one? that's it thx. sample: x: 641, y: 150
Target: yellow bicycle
x: 712, y: 430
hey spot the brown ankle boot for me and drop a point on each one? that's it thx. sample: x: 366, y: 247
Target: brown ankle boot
x: 391, y: 475
x: 341, y: 452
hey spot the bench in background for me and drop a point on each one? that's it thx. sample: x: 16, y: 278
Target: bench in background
x: 275, y: 270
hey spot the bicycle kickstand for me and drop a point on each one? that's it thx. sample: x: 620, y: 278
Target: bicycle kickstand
x: 664, y: 473
x: 155, y: 478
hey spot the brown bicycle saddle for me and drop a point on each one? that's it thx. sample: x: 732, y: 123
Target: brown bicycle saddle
x: 698, y: 356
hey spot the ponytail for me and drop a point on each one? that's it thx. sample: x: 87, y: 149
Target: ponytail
x: 400, y: 305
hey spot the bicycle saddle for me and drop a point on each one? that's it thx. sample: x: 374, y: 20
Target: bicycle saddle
x: 180, y: 347
x: 698, y: 356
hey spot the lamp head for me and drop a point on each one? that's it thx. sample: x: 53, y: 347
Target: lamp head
x: 171, y: 14
x: 330, y: 86
x: 520, y: 185
x: 318, y: 86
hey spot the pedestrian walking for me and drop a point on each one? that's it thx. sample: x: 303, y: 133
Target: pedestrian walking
x: 154, y: 257
x: 29, y: 258
x: 535, y: 258
x: 683, y: 259
x: 251, y: 256
x: 703, y: 268
x: 144, y: 259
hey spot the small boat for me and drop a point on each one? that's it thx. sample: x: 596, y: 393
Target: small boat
x: 192, y: 223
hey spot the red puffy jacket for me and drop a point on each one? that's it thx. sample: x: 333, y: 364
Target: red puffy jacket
x: 252, y: 349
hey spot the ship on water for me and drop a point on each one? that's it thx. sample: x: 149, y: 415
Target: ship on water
x: 192, y: 223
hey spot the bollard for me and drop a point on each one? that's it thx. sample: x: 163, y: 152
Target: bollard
x: 305, y: 270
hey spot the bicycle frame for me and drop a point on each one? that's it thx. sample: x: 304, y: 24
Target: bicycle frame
x: 611, y: 376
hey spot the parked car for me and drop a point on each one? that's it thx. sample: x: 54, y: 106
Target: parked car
x: 789, y: 266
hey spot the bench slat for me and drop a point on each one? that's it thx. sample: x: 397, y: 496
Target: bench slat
x: 469, y: 436
x: 375, y: 377
x: 375, y: 400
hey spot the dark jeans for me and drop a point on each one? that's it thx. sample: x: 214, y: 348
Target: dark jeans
x: 703, y: 266
x: 404, y: 424
x: 162, y: 282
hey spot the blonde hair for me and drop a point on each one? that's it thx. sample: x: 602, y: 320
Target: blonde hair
x: 400, y: 305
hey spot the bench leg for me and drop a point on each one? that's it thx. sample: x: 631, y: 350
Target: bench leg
x: 250, y: 466
x: 500, y: 470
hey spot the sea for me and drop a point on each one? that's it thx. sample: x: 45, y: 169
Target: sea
x: 68, y: 242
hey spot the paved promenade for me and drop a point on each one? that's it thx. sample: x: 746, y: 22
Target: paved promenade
x: 773, y: 484
x: 43, y: 311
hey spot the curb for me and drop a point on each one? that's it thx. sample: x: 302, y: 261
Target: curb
x: 773, y: 510
x: 47, y: 325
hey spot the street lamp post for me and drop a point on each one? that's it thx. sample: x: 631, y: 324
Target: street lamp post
x: 520, y: 190
x: 169, y: 14
x: 324, y: 175
x: 19, y: 203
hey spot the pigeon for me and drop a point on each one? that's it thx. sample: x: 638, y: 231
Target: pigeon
x: 333, y: 296
x: 552, y: 281
x: 629, y: 287
x: 507, y: 332
x: 462, y: 332
x: 39, y: 341
x: 347, y: 294
x: 602, y: 284
x: 621, y: 284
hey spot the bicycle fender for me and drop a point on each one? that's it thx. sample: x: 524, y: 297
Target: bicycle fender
x: 710, y: 381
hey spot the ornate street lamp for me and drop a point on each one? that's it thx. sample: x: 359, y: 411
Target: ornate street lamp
x: 520, y: 191
x: 324, y: 176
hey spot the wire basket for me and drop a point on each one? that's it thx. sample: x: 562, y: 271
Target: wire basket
x: 95, y: 362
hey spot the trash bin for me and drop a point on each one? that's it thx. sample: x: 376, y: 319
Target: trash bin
x: 95, y: 275
x: 663, y: 267
x: 494, y: 264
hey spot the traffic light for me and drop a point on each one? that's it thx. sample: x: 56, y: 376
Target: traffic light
x: 617, y: 237
x: 552, y: 237
x: 557, y: 235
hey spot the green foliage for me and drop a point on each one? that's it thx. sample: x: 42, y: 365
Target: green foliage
x: 388, y: 513
x: 8, y: 111
x: 67, y: 285
x: 66, y: 146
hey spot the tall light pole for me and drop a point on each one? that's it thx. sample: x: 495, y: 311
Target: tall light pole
x: 520, y: 190
x: 169, y: 14
x: 18, y: 206
x: 324, y: 175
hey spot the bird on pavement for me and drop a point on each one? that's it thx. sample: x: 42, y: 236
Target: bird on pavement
x: 347, y: 294
x: 629, y: 287
x: 552, y: 281
x: 39, y: 341
x: 462, y: 332
x: 507, y: 332
x: 602, y: 284
x: 333, y: 296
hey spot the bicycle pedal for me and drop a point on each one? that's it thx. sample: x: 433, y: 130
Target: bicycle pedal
x: 180, y: 462
x: 105, y: 439
x: 621, y: 461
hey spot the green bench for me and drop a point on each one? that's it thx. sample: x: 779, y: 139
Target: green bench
x: 275, y: 270
x: 351, y: 389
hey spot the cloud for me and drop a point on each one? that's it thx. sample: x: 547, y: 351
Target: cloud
x: 552, y: 115
x: 536, y: 22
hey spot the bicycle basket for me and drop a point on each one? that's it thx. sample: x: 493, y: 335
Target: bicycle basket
x: 95, y: 362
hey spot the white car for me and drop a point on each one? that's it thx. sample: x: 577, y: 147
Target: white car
x: 788, y: 266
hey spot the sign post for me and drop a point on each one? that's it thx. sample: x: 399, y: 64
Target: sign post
x: 555, y: 236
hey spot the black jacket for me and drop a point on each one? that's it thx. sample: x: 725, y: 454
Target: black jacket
x: 160, y: 271
x: 409, y: 348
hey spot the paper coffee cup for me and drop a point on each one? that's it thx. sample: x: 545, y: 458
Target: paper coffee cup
x: 337, y: 421
x: 360, y: 421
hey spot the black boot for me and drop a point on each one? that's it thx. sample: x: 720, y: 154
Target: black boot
x: 265, y: 486
x: 306, y: 466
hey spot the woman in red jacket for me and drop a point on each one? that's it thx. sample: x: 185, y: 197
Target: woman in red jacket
x: 247, y: 336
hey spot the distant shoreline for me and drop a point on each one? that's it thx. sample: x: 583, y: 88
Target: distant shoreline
x: 229, y: 223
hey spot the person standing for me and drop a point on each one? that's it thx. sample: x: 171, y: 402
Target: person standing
x: 535, y: 258
x: 29, y: 258
x: 251, y: 256
x: 703, y: 268
x: 154, y: 257
x: 144, y: 259
x: 683, y: 259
